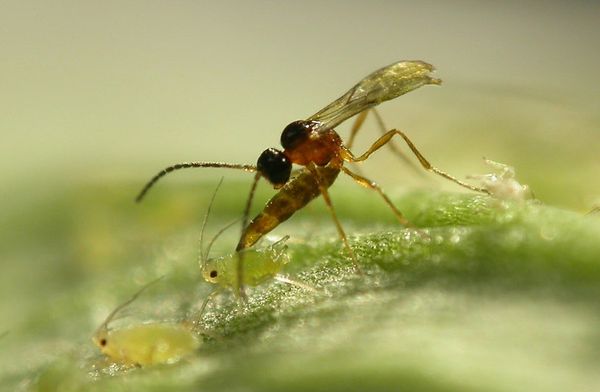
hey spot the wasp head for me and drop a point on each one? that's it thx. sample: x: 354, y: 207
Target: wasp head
x: 274, y: 166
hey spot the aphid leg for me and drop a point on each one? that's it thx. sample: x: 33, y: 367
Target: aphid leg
x: 372, y: 185
x: 207, y: 300
x: 286, y: 280
x: 338, y: 225
x: 424, y: 162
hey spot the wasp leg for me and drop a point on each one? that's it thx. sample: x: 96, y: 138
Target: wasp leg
x: 356, y: 126
x: 338, y: 225
x: 373, y: 185
x: 358, y: 123
x: 392, y: 146
x: 240, y: 266
x: 241, y: 288
x: 424, y: 162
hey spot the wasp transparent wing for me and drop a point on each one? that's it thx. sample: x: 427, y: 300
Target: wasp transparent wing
x: 380, y: 86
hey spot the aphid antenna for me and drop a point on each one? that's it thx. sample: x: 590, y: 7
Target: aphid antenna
x: 204, y: 254
x: 205, y: 220
x: 188, y: 165
x: 111, y: 316
x: 212, y: 241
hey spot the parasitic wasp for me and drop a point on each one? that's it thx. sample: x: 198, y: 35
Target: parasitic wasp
x: 314, y: 144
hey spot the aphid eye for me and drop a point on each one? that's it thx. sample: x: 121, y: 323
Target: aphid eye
x: 294, y: 134
x: 213, y: 274
x: 103, y: 342
x: 274, y: 166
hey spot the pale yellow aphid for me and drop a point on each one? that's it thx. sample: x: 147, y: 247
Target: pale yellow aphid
x: 503, y: 184
x: 260, y: 265
x: 145, y: 344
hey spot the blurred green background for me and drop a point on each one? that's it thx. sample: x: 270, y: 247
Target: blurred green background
x: 95, y: 97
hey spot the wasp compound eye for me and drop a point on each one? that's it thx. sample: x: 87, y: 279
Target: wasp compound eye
x: 274, y: 166
x: 294, y: 134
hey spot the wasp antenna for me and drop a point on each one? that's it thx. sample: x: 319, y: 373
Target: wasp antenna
x: 187, y: 165
x: 208, y: 209
x: 111, y: 316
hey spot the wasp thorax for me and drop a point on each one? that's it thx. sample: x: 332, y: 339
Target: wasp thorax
x: 274, y: 166
x: 294, y: 134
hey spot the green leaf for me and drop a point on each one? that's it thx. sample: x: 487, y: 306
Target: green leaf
x: 479, y: 295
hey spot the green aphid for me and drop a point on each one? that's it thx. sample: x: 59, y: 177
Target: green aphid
x: 260, y: 264
x: 145, y: 344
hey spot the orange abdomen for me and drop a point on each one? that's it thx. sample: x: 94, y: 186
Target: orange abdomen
x: 294, y: 195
